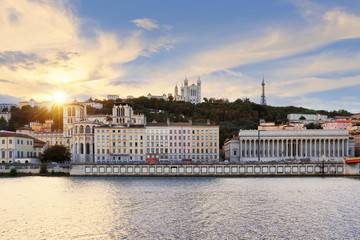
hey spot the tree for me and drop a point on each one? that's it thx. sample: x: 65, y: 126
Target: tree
x: 57, y: 153
x: 313, y: 126
x: 3, y: 123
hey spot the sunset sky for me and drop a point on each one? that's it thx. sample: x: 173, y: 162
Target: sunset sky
x: 308, y: 51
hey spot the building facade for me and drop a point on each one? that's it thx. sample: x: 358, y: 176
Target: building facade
x: 277, y: 145
x: 112, y: 97
x: 188, y: 93
x: 119, y: 143
x: 16, y: 147
x: 124, y: 114
x: 164, y: 97
x: 50, y: 138
x: 8, y: 106
x: 306, y: 118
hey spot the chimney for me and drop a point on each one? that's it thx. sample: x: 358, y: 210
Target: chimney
x: 208, y: 122
x: 168, y: 121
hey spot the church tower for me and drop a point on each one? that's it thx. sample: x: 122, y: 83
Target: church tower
x: 263, y: 99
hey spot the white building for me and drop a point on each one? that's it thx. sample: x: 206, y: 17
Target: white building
x: 94, y: 104
x: 188, y: 93
x: 122, y: 113
x: 7, y: 105
x: 276, y: 145
x: 149, y: 96
x: 5, y: 115
x: 112, y: 97
x: 306, y: 118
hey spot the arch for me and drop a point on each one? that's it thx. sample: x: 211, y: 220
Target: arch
x: 122, y: 113
x: 117, y: 111
x: 81, y: 129
x: 69, y: 111
x: 76, y: 129
x: 87, y: 129
x: 87, y: 148
x: 73, y: 111
x: 81, y: 148
x: 26, y: 161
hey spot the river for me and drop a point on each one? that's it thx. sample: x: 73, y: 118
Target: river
x: 179, y: 208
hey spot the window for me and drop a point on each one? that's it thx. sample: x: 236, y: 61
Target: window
x: 3, y: 153
x: 3, y: 141
x: 10, y: 141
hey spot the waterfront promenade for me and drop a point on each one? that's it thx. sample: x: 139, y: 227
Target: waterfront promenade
x: 194, y: 169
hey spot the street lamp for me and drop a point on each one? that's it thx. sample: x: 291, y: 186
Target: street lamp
x: 259, y: 144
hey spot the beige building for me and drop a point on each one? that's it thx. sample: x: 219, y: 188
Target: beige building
x: 16, y: 147
x: 119, y: 143
x: 50, y: 138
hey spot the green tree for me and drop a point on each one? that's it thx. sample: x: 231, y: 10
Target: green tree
x: 313, y: 126
x: 57, y: 153
x: 3, y: 123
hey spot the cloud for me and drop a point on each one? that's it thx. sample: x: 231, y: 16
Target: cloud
x: 145, y: 23
x: 302, y: 86
x: 5, y: 81
x: 44, y: 50
x: 273, y: 44
x: 327, y: 62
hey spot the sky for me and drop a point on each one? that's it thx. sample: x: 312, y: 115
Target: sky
x: 307, y: 51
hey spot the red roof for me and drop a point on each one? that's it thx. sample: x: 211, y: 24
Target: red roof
x: 12, y: 134
x: 25, y: 128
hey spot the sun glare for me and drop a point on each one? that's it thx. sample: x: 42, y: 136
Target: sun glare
x: 59, y: 97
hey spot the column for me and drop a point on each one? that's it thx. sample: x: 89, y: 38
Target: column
x: 250, y: 149
x: 282, y: 147
x: 263, y: 148
x: 240, y: 150
x: 268, y: 148
x: 343, y: 148
x: 291, y: 148
x: 347, y: 148
x: 329, y: 147
x: 245, y: 147
x: 91, y: 150
x: 315, y: 152
x: 273, y: 148
x: 77, y: 146
x: 333, y: 148
x: 277, y: 148
x: 297, y: 148
x: 338, y: 148
x: 287, y: 147
x: 306, y: 152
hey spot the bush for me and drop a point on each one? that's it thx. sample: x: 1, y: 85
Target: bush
x: 43, y: 168
x: 13, y: 172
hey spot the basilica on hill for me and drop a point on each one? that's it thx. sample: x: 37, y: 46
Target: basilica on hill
x: 188, y: 93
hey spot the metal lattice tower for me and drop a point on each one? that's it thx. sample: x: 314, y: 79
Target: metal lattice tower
x: 263, y: 99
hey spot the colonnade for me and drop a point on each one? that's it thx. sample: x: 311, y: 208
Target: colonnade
x: 286, y: 148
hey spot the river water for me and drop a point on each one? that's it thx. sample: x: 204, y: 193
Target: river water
x: 179, y: 208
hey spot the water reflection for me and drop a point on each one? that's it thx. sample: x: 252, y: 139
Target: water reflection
x: 179, y: 208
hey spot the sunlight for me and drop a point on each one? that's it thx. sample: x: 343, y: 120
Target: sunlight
x: 59, y: 97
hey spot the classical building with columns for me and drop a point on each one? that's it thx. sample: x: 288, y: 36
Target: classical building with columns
x: 277, y: 145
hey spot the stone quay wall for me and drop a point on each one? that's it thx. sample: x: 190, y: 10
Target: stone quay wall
x: 218, y: 170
